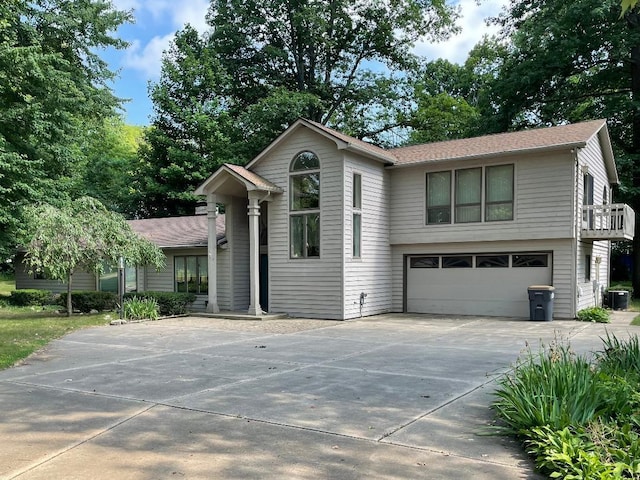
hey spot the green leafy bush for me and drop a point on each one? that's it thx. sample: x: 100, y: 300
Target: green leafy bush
x: 140, y: 308
x: 85, y: 301
x: 169, y: 303
x: 594, y: 314
x: 29, y: 297
x: 554, y: 388
x: 580, y: 420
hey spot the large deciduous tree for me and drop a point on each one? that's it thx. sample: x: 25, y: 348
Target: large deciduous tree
x: 224, y: 95
x: 52, y: 82
x: 191, y: 131
x: 82, y: 235
x: 329, y: 49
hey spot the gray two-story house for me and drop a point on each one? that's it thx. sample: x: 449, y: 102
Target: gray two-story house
x: 323, y: 225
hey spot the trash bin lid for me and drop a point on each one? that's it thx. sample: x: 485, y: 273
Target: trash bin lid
x: 542, y: 287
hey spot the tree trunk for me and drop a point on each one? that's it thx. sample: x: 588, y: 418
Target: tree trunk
x: 69, y: 303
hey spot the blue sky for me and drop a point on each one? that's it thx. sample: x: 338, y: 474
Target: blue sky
x: 156, y: 21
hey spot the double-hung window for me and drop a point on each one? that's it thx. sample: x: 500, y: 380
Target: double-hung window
x: 357, y: 216
x: 470, y: 195
x: 439, y: 197
x: 499, y: 194
x: 304, y: 205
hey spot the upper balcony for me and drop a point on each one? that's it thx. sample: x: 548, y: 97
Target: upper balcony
x: 608, y: 222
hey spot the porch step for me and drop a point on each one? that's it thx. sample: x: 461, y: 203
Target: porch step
x: 241, y: 316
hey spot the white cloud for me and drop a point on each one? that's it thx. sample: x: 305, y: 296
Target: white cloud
x: 147, y: 59
x: 473, y: 27
x: 126, y: 4
x: 164, y: 18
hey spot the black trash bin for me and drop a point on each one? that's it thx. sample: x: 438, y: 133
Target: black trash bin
x: 618, y: 299
x: 541, y: 302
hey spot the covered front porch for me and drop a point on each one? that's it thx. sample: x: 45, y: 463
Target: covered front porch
x: 238, y: 287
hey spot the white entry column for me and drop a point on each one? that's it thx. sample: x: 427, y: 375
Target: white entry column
x: 212, y: 260
x: 254, y: 253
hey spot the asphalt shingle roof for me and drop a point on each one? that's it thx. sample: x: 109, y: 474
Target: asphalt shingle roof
x: 567, y: 136
x: 172, y: 232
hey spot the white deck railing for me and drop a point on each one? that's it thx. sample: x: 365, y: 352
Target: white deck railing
x: 608, y: 222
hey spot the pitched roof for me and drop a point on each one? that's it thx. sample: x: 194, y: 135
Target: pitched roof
x: 343, y: 142
x: 353, y: 142
x: 526, y: 141
x: 253, y: 178
x: 250, y: 180
x: 173, y: 232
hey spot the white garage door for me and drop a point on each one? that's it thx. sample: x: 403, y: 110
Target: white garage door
x: 479, y: 284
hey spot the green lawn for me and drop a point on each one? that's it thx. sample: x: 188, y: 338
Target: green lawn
x: 7, y: 283
x: 23, y: 330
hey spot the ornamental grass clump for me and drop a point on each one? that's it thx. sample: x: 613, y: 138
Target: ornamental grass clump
x: 553, y: 388
x: 140, y: 309
x: 578, y: 419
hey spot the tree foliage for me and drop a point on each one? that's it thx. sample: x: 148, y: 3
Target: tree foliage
x: 223, y: 96
x: 191, y: 132
x: 52, y: 82
x: 111, y: 160
x: 82, y: 235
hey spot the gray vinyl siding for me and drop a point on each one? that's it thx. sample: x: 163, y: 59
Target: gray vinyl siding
x: 371, y: 273
x: 542, y: 202
x: 164, y: 279
x: 223, y: 283
x: 237, y: 233
x: 80, y: 281
x: 590, y: 160
x: 563, y: 265
x: 306, y: 287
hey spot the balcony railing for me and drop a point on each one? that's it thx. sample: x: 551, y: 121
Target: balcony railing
x: 608, y: 222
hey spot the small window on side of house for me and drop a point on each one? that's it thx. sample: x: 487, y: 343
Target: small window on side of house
x: 587, y: 268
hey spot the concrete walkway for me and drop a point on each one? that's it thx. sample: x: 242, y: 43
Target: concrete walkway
x: 392, y: 396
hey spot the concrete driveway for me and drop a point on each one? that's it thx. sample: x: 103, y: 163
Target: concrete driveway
x: 391, y: 396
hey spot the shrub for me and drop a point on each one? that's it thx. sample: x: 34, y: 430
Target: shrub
x: 85, y: 301
x: 169, y: 303
x: 594, y: 314
x: 554, y: 388
x: 29, y: 297
x: 140, y: 308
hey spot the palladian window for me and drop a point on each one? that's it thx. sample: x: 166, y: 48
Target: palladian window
x: 304, y: 205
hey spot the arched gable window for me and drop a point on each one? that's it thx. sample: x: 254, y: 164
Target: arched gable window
x: 304, y: 205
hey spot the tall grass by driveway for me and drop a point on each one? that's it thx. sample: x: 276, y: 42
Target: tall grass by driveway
x: 579, y: 419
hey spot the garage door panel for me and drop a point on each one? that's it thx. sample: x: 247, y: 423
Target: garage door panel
x: 473, y: 291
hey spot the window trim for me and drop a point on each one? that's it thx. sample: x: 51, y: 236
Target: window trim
x: 201, y: 260
x: 484, y: 203
x: 356, y: 213
x: 304, y: 213
x: 456, y: 189
x: 488, y: 203
x: 450, y: 193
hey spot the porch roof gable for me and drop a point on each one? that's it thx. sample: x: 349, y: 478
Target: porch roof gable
x: 240, y: 175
